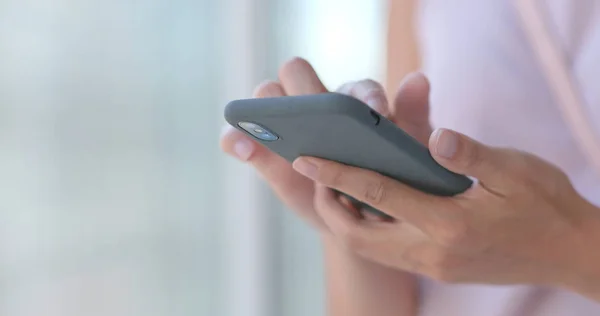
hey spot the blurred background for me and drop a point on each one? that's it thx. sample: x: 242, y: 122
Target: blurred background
x: 114, y: 196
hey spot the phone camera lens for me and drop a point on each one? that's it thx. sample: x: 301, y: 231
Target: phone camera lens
x: 258, y: 131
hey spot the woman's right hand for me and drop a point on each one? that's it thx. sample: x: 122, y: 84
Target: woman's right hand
x: 409, y: 110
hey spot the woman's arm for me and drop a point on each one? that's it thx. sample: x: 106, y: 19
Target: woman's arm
x: 402, y: 47
x: 356, y: 287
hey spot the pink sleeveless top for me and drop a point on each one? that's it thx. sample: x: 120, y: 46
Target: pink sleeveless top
x: 488, y: 84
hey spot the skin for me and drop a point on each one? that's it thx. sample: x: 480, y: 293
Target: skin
x: 521, y: 223
x: 355, y: 286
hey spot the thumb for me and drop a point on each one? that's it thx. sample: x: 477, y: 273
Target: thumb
x: 410, y: 108
x: 463, y: 155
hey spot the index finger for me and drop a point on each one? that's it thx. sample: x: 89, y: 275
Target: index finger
x: 383, y: 193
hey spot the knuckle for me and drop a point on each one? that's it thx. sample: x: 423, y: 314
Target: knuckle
x: 471, y: 156
x: 455, y: 235
x: 331, y: 175
x: 370, y: 84
x: 375, y: 192
x: 532, y: 167
x: 353, y: 89
x: 369, y: 88
x: 346, y: 88
x: 374, y: 93
x: 520, y: 170
x: 375, y: 83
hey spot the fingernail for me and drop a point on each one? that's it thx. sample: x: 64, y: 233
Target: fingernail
x: 379, y: 104
x: 306, y: 168
x: 243, y: 149
x: 446, y: 143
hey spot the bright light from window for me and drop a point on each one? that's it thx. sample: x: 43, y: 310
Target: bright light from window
x: 344, y: 39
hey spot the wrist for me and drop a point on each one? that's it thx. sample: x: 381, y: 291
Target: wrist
x: 357, y: 286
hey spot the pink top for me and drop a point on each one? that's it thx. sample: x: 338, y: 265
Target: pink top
x: 488, y: 84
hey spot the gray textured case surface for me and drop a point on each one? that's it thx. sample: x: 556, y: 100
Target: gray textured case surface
x: 341, y: 128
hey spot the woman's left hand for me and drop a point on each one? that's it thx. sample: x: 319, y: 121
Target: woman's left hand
x: 521, y: 223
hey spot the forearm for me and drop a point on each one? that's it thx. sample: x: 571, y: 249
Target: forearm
x: 356, y: 287
x: 583, y: 253
x: 402, y: 49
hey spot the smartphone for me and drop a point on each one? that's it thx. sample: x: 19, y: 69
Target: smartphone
x: 341, y: 128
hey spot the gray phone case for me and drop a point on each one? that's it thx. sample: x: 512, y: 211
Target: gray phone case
x: 341, y: 128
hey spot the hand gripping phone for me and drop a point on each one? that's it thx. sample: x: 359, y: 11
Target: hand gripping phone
x: 341, y: 128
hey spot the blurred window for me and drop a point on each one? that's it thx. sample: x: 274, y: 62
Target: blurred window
x: 114, y: 196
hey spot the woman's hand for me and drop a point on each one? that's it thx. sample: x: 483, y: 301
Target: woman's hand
x: 523, y: 222
x: 297, y: 77
x: 355, y: 286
